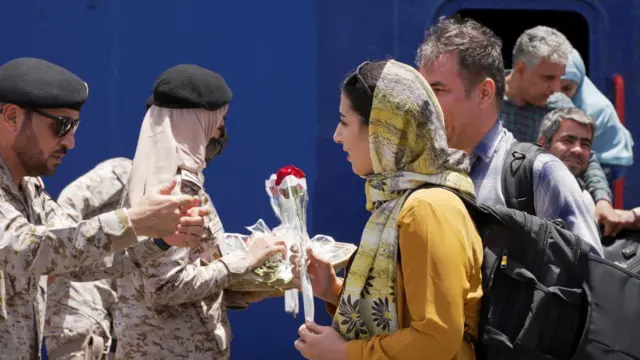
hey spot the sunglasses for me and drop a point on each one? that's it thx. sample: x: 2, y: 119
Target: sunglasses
x: 62, y: 124
x: 356, y: 76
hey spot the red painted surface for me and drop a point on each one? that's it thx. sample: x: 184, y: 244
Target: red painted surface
x: 618, y: 186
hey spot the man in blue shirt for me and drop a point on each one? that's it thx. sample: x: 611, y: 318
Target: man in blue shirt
x: 462, y: 62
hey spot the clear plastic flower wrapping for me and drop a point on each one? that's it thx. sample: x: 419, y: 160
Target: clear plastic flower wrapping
x: 289, y: 202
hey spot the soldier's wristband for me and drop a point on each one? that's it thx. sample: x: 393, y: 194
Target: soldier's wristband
x: 161, y: 244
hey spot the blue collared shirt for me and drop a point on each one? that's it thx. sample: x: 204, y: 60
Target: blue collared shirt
x: 557, y: 193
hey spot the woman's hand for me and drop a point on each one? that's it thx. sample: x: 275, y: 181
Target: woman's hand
x: 320, y: 343
x: 324, y: 281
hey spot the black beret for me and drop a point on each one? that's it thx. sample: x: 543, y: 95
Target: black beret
x: 36, y: 83
x: 188, y: 86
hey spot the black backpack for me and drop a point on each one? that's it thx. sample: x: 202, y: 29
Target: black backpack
x: 624, y: 249
x: 609, y: 315
x: 546, y: 296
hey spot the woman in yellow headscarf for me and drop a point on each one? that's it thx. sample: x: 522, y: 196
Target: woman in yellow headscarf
x: 413, y: 289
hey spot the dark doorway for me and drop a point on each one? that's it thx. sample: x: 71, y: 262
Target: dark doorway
x: 509, y: 24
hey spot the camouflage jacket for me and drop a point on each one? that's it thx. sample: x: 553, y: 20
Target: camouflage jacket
x: 76, y: 310
x: 174, y: 307
x: 38, y: 238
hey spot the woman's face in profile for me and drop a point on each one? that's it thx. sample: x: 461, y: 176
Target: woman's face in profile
x: 568, y: 87
x: 353, y: 135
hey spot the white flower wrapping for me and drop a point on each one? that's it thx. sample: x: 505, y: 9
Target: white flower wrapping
x: 289, y: 202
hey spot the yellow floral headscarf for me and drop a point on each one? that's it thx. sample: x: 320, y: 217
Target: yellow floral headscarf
x: 408, y: 148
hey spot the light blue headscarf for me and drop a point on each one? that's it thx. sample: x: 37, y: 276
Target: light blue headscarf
x: 612, y: 143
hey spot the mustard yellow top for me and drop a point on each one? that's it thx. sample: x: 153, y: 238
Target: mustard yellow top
x: 439, y: 283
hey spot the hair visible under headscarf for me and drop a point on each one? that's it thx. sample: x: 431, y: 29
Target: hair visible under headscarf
x: 612, y: 142
x: 408, y: 149
x: 171, y: 139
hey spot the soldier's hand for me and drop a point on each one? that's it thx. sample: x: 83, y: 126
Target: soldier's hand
x: 263, y: 247
x: 190, y: 229
x: 159, y: 214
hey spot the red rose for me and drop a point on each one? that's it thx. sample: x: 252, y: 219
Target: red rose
x: 286, y: 171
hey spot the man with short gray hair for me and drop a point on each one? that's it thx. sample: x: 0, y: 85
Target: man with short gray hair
x: 568, y: 134
x: 540, y: 56
x: 539, y: 62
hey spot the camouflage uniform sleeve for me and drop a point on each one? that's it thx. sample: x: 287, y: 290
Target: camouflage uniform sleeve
x: 596, y: 180
x: 117, y: 265
x: 97, y: 191
x: 30, y: 250
x: 240, y: 300
x: 172, y: 279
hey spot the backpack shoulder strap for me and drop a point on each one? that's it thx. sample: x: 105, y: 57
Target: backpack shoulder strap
x: 469, y: 202
x: 517, y: 176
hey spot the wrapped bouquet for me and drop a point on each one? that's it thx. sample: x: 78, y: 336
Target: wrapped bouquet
x: 287, y: 190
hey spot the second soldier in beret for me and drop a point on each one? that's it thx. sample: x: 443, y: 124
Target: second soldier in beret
x: 40, y: 104
x: 79, y: 315
x: 175, y: 306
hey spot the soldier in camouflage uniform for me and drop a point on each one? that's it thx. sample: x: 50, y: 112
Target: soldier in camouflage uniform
x: 39, y: 109
x: 79, y: 315
x: 174, y: 307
